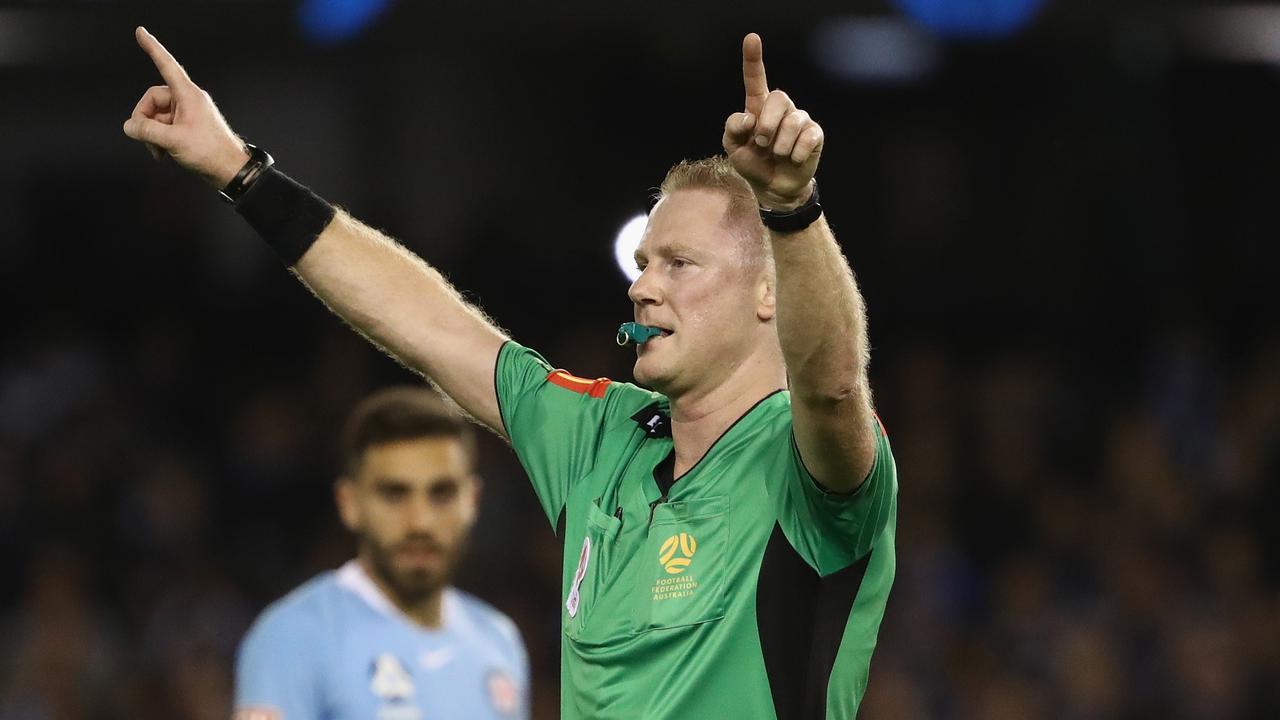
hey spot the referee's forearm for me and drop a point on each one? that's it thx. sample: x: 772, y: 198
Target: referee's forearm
x: 821, y: 318
x: 408, y: 309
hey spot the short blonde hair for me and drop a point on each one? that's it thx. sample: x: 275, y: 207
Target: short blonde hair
x: 718, y: 174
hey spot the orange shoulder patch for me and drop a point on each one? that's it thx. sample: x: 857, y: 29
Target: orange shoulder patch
x: 582, y: 386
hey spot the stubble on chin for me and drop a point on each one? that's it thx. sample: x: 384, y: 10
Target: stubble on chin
x: 409, y: 586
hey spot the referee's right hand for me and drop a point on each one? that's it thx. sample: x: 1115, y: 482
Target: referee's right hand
x: 179, y: 119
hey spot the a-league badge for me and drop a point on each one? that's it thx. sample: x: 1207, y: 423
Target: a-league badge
x: 503, y: 692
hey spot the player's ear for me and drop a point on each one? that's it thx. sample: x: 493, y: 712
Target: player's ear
x: 344, y: 494
x: 477, y: 489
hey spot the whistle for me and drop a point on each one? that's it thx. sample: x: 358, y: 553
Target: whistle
x: 636, y: 333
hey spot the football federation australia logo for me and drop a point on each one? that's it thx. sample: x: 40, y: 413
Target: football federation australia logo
x: 677, y: 552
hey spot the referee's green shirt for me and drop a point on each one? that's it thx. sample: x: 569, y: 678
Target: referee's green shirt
x: 741, y: 591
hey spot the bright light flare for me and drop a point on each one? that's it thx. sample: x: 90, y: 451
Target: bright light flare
x: 624, y: 247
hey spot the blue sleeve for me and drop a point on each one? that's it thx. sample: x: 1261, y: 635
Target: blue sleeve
x: 279, y: 666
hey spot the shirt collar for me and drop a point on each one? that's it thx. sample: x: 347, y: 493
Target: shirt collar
x: 352, y: 577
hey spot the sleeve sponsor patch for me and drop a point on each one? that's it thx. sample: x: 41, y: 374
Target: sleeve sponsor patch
x: 582, y: 386
x: 257, y: 713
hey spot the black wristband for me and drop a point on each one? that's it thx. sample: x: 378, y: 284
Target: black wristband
x: 259, y: 160
x: 791, y: 221
x: 287, y: 215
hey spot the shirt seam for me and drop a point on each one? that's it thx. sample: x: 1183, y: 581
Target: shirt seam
x: 828, y: 492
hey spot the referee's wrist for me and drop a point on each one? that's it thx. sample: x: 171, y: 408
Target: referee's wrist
x: 782, y: 205
x: 230, y: 167
x: 286, y: 214
x: 796, y: 217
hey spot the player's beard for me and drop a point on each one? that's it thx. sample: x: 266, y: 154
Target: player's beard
x: 411, y: 585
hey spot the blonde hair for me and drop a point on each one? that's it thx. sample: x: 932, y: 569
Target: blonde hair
x: 718, y: 174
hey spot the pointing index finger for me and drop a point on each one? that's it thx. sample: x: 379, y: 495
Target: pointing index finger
x: 168, y: 66
x: 753, y: 78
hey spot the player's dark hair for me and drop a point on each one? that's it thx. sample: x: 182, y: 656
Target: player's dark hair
x: 402, y: 413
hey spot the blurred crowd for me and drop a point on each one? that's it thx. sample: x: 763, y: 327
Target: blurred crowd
x: 1069, y: 554
x: 1067, y: 548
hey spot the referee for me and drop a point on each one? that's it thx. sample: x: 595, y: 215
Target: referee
x: 729, y: 533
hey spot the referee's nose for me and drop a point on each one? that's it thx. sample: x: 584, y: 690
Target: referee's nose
x: 644, y: 290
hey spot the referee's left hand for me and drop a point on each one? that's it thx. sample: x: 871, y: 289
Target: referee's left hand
x: 772, y: 143
x: 179, y: 119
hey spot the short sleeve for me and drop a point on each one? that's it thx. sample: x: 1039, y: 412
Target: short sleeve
x: 278, y: 671
x: 553, y: 419
x: 833, y: 530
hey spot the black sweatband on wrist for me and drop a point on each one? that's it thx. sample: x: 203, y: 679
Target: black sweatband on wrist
x: 790, y: 221
x: 259, y: 160
x: 285, y: 213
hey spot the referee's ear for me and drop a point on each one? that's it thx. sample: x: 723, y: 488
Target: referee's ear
x: 766, y: 298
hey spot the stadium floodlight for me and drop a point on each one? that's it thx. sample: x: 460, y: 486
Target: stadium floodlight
x: 624, y: 247
x: 875, y: 50
x: 330, y: 22
x: 972, y: 19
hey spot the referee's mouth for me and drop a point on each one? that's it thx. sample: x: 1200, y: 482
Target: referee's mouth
x: 664, y: 334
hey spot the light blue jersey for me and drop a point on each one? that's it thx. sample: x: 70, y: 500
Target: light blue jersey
x: 337, y: 649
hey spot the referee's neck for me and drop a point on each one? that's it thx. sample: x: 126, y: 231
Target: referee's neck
x: 698, y: 419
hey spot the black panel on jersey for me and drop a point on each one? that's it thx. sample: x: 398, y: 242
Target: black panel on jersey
x: 664, y: 473
x: 801, y: 618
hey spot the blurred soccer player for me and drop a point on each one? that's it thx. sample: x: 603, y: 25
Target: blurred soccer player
x: 729, y: 532
x: 385, y: 636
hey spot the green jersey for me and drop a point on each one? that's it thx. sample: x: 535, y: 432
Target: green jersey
x: 743, y: 590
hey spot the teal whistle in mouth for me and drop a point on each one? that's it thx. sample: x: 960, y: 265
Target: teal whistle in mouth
x: 636, y: 333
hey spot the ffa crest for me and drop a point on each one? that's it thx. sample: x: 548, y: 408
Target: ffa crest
x: 677, y: 552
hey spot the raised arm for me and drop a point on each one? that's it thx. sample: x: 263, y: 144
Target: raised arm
x: 821, y: 321
x: 385, y: 292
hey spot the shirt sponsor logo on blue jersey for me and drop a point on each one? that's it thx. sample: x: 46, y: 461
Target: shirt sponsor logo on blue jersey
x: 393, y: 683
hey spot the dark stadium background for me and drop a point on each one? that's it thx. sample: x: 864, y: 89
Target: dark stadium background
x: 1067, y: 239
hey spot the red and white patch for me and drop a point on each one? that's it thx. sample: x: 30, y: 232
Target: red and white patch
x: 503, y: 692
x: 257, y: 713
